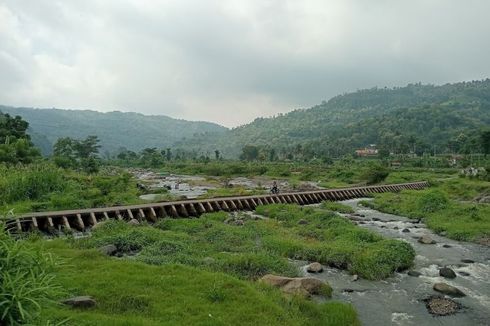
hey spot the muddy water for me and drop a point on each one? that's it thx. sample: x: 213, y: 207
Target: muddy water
x: 399, y: 299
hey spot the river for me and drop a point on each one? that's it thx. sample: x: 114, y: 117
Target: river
x: 398, y: 300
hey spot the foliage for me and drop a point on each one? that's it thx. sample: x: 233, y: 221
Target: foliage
x: 375, y: 174
x: 26, y: 281
x: 133, y: 293
x: 442, y: 209
x: 415, y: 118
x: 72, y: 153
x: 15, y: 144
x: 337, y: 207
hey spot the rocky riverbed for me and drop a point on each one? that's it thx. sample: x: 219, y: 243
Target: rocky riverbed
x: 409, y: 298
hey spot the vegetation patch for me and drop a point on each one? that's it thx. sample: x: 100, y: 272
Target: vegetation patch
x: 456, y: 219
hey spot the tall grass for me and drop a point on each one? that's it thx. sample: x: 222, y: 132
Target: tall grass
x: 26, y: 281
x: 29, y: 182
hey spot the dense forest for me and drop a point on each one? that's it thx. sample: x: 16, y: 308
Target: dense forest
x: 412, y: 119
x: 415, y: 118
x: 132, y: 131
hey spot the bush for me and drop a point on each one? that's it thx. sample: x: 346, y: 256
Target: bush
x: 432, y: 201
x: 26, y: 281
x: 375, y: 174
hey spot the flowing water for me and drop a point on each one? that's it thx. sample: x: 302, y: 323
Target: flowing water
x: 398, y: 300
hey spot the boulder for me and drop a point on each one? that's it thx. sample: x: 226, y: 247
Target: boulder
x: 314, y: 268
x: 447, y: 272
x: 425, y: 239
x: 133, y: 221
x: 405, y: 230
x: 108, y: 250
x: 354, y: 278
x: 413, y: 273
x: 448, y: 289
x: 80, y: 302
x: 304, y: 286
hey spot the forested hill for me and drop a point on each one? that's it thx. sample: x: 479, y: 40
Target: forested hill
x: 401, y: 119
x: 133, y: 131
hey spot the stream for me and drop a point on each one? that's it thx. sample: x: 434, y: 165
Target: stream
x: 398, y: 300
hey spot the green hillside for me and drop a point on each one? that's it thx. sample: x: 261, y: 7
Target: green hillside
x: 133, y: 131
x: 420, y: 117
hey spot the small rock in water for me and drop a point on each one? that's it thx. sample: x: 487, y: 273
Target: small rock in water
x: 314, y: 268
x: 80, y: 302
x: 405, y: 230
x: 414, y: 273
x: 376, y: 219
x: 464, y: 274
x: 383, y: 226
x: 354, y: 278
x: 441, y: 306
x: 467, y: 261
x: 134, y: 221
x: 446, y: 246
x: 396, y: 228
x: 348, y: 290
x: 108, y: 250
x: 302, y: 222
x: 447, y: 272
x: 425, y: 239
x: 448, y: 289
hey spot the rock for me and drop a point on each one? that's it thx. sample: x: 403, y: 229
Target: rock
x: 383, y: 226
x: 302, y: 222
x: 464, y: 274
x: 425, y: 239
x: 447, y: 272
x: 467, y: 261
x: 314, y: 268
x: 413, y: 273
x: 485, y: 199
x: 305, y: 286
x: 375, y: 219
x: 229, y: 220
x: 441, y: 306
x: 443, y: 233
x: 348, y: 290
x: 134, y: 221
x: 108, y: 250
x: 80, y: 302
x: 361, y: 222
x: 446, y: 246
x: 448, y: 289
x: 396, y: 228
x: 354, y: 278
x: 239, y: 222
x: 405, y: 230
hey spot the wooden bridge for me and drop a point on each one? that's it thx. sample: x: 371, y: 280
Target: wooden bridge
x: 83, y: 219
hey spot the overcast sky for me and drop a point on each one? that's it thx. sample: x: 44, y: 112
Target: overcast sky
x: 230, y: 61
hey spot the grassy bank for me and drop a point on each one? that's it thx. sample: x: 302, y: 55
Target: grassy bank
x: 448, y: 208
x: 134, y: 293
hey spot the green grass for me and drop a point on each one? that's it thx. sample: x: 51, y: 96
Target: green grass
x: 134, y: 293
x: 337, y: 207
x: 440, y: 209
x: 334, y: 241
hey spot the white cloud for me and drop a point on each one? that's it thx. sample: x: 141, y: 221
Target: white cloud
x: 230, y: 61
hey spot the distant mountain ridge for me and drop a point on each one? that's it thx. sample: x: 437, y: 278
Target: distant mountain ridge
x: 400, y: 119
x: 133, y: 131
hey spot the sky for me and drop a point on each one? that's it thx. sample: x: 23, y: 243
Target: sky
x: 231, y: 61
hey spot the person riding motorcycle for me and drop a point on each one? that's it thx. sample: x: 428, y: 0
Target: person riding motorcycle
x: 274, y: 189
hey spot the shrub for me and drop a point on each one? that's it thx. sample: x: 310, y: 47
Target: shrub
x: 375, y: 174
x: 432, y: 201
x: 26, y: 281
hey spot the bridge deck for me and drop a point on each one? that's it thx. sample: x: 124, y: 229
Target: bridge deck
x: 81, y: 219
